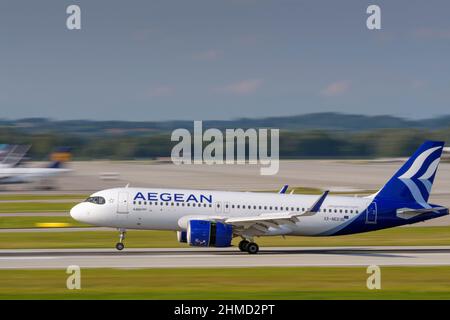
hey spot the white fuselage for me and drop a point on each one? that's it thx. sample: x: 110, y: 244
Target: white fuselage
x: 171, y: 209
x: 24, y: 175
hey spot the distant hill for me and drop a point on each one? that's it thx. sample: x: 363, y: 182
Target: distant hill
x: 323, y: 121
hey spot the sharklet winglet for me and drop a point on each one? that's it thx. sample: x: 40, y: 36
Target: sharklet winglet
x: 284, y: 189
x: 316, y: 206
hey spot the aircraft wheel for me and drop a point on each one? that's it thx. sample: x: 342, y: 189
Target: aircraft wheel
x: 252, y: 248
x: 120, y: 246
x: 242, y: 245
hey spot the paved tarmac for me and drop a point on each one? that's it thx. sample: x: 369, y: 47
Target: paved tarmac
x: 66, y: 229
x: 35, y: 214
x: 333, y: 174
x: 228, y: 257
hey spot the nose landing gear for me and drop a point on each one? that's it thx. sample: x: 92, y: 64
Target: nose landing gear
x: 247, y: 246
x: 120, y: 245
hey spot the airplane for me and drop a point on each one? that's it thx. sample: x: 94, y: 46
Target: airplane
x: 13, y: 174
x: 213, y: 218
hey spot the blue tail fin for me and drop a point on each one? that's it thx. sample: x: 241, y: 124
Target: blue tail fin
x: 413, y: 181
x: 55, y: 165
x: 59, y: 156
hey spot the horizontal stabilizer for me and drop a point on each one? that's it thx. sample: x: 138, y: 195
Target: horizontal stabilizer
x: 408, y: 213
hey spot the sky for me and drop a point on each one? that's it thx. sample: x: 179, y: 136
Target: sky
x: 223, y: 59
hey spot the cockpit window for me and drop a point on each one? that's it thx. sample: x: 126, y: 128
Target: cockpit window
x: 96, y: 200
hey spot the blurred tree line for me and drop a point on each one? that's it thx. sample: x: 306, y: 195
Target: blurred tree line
x: 293, y: 144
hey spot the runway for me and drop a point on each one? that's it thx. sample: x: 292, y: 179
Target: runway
x: 35, y: 214
x: 66, y: 229
x: 228, y: 257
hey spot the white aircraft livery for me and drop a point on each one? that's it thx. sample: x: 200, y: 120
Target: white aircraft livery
x: 213, y: 218
x: 11, y: 173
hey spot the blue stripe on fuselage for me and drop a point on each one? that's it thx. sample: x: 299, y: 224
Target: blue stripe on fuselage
x: 386, y: 218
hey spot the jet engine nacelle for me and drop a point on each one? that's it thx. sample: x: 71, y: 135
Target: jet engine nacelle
x: 182, y: 236
x: 203, y: 233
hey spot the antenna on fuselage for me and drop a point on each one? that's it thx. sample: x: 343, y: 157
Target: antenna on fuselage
x: 127, y: 185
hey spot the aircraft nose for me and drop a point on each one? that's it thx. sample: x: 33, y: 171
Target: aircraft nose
x: 76, y: 213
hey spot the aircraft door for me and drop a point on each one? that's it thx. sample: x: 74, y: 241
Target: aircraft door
x: 371, y: 213
x: 122, y: 204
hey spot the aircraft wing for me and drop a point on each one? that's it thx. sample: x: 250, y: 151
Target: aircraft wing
x: 263, y: 221
x: 273, y: 218
x: 259, y: 224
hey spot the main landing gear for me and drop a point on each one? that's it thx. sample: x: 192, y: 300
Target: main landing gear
x: 247, y: 246
x: 120, y: 245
